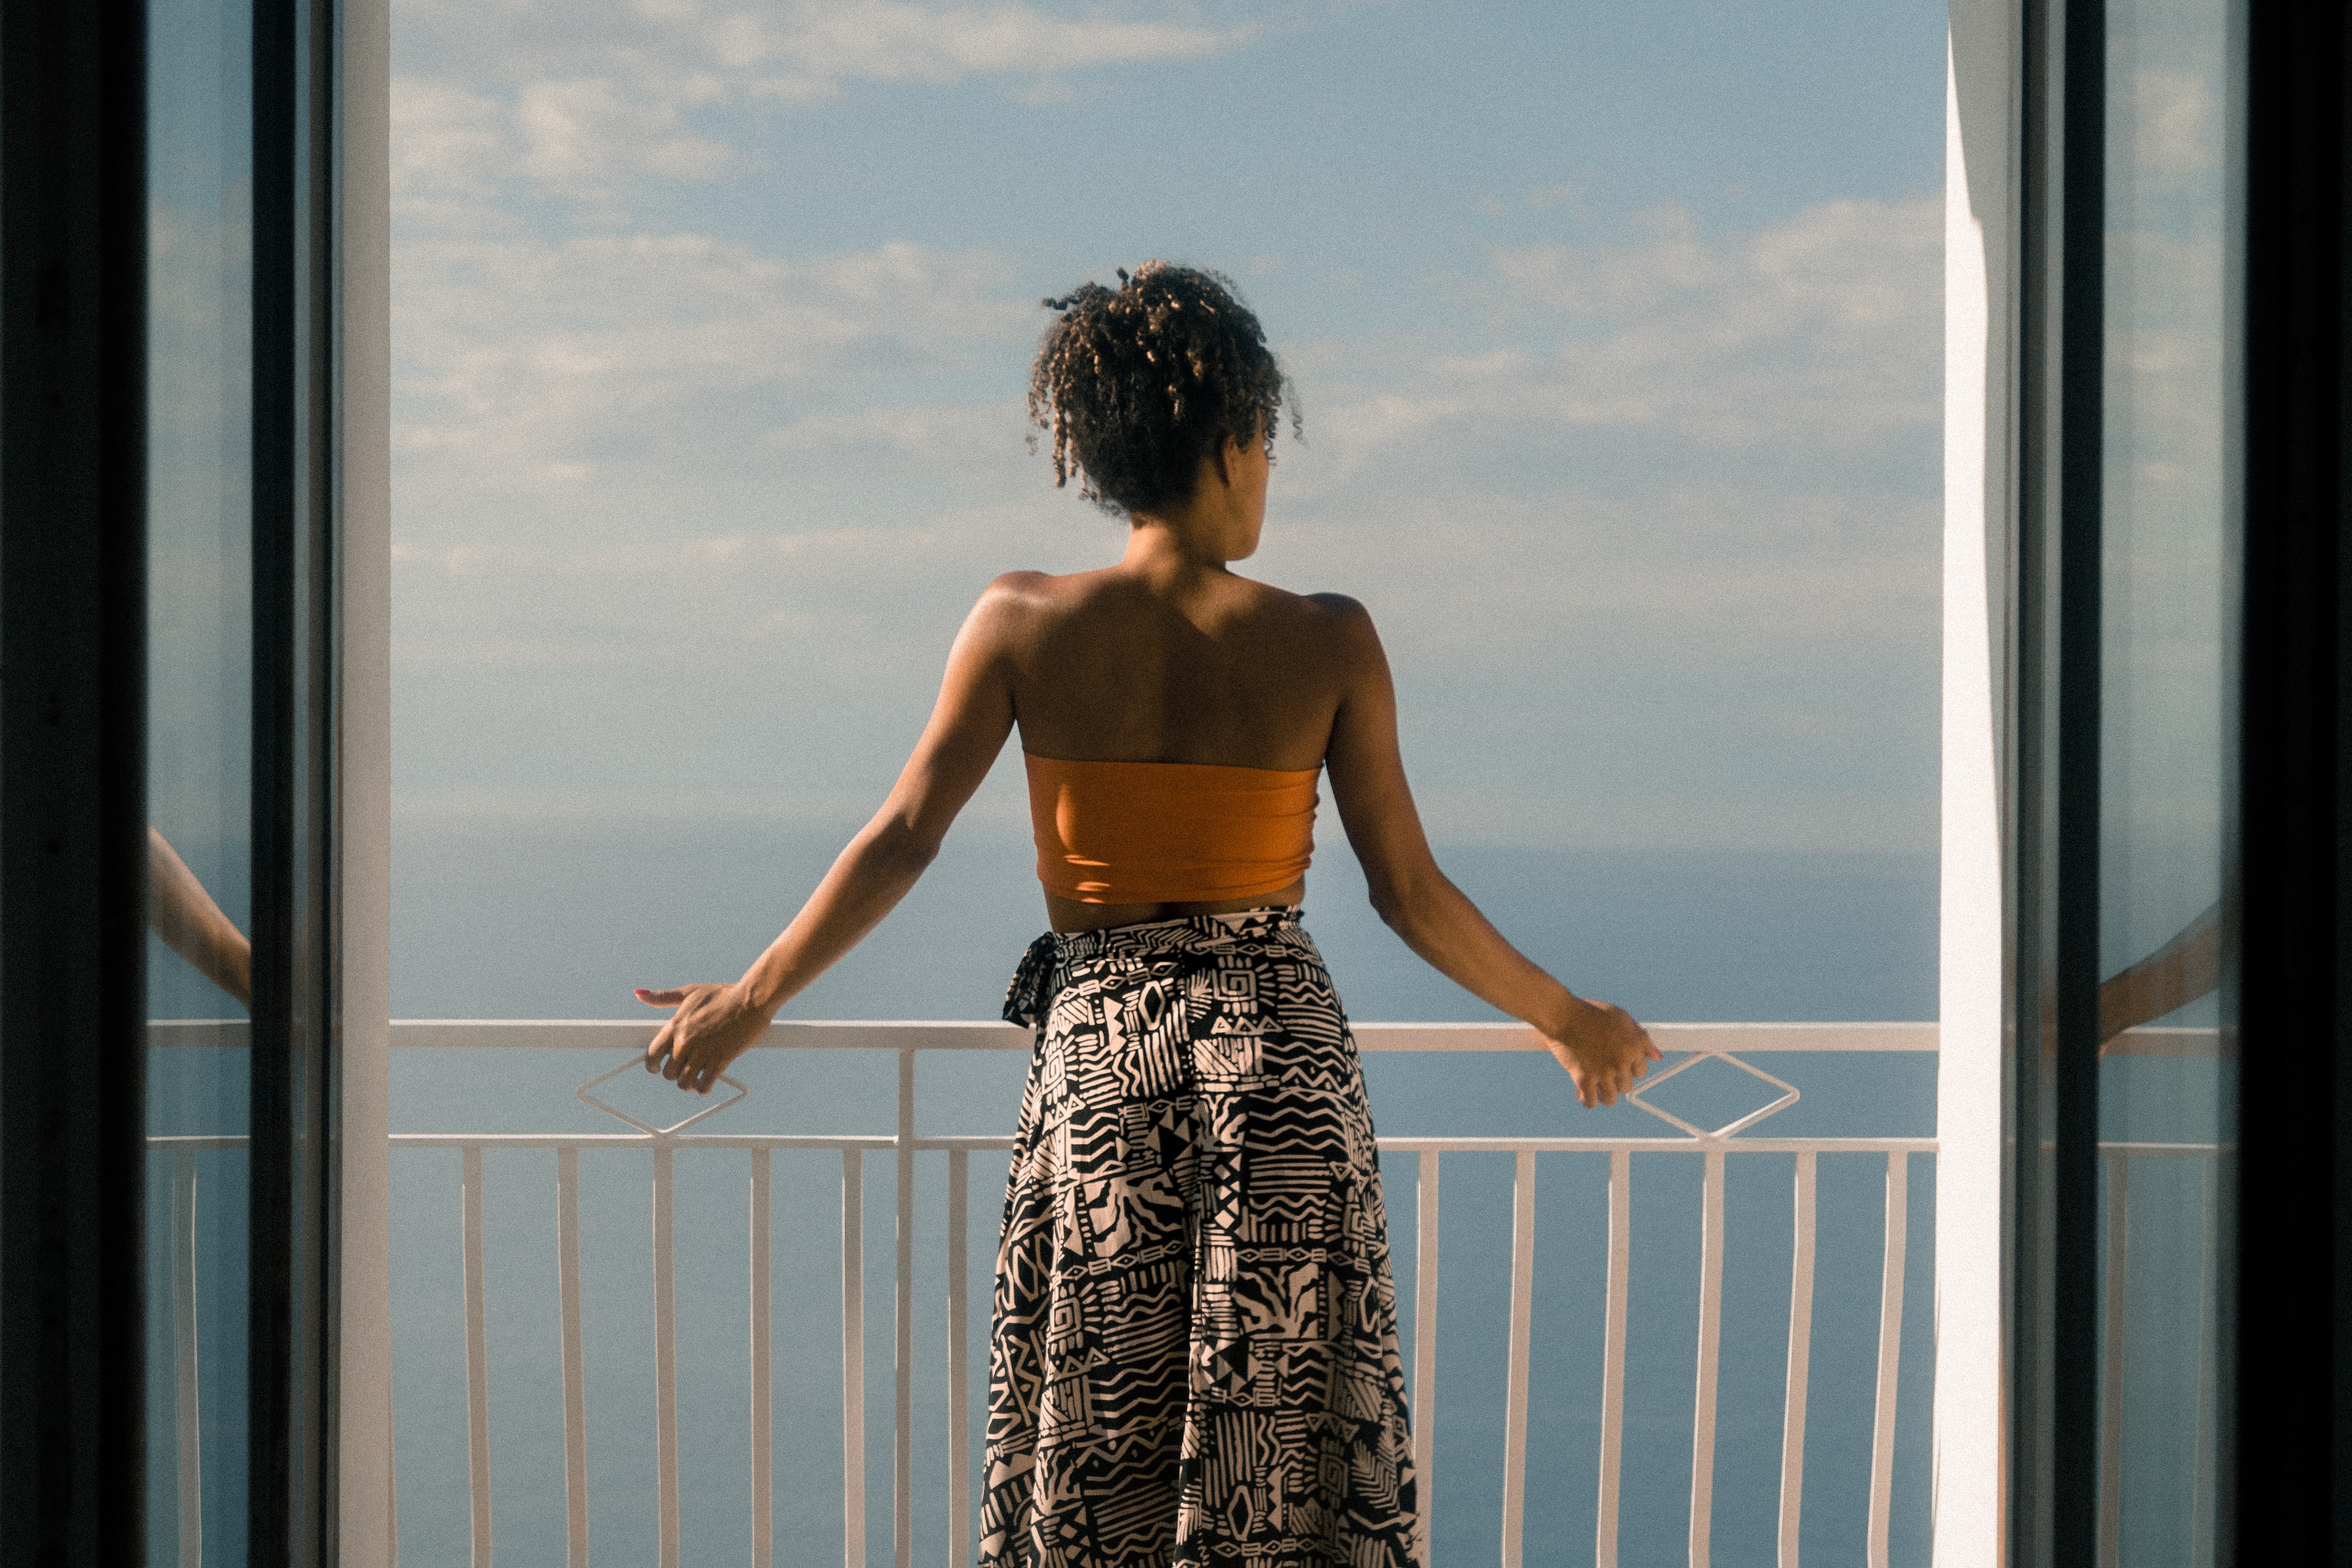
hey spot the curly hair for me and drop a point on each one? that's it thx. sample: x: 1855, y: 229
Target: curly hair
x: 1139, y: 383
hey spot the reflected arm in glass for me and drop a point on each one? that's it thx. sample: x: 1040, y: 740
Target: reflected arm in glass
x: 2183, y: 970
x: 192, y: 925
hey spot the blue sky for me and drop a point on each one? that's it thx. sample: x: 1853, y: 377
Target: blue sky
x: 1616, y: 329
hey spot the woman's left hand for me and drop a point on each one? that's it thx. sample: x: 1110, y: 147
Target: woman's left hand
x: 712, y: 1026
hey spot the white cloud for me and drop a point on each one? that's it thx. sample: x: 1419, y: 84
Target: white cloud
x: 2171, y: 119
x: 524, y: 362
x: 580, y: 132
x: 820, y: 46
x: 1813, y: 328
x: 1809, y: 346
x: 450, y: 141
x: 905, y: 430
x: 584, y: 100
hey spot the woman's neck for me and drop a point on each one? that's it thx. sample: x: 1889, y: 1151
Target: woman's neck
x: 1218, y: 523
x: 1168, y: 556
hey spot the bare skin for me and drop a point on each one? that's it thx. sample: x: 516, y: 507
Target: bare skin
x: 1165, y: 656
x: 2171, y: 977
x: 181, y: 912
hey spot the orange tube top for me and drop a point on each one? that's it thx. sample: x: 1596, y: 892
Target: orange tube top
x: 1169, y: 833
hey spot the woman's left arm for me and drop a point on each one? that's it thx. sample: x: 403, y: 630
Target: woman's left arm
x: 713, y: 1025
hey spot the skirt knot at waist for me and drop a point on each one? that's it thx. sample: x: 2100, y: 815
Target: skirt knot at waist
x: 1159, y: 945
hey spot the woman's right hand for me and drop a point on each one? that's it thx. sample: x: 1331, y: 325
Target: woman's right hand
x: 1603, y: 1049
x: 712, y: 1026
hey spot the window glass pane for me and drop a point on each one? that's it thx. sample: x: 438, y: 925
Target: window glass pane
x: 200, y: 762
x: 2165, y: 1084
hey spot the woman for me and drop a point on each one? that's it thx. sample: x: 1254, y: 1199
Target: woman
x: 1193, y: 1356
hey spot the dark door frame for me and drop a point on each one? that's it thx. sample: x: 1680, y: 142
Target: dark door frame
x: 292, y: 1426
x: 2292, y: 988
x: 73, y: 809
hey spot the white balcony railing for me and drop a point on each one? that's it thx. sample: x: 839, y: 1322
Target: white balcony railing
x: 1713, y: 1147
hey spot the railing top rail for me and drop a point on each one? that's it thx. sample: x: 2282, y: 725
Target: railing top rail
x: 947, y: 1035
x: 879, y: 1142
x: 928, y: 1035
x: 935, y: 1035
x: 997, y: 1141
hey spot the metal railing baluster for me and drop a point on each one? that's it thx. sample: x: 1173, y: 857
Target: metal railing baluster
x: 1800, y: 1355
x: 853, y: 1360
x: 1515, y: 1396
x: 1425, y: 1339
x: 183, y: 1350
x: 575, y: 1384
x: 478, y: 1359
x: 763, y: 1383
x: 1890, y: 1356
x: 1710, y: 1341
x: 665, y: 1354
x: 1612, y: 1354
x: 391, y: 1493
x: 2200, y: 1497
x: 2111, y: 1360
x: 902, y: 1321
x: 959, y: 1361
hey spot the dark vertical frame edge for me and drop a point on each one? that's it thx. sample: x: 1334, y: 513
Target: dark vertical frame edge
x: 323, y: 885
x: 2291, y: 997
x: 2079, y: 383
x: 270, y: 1301
x: 73, y: 417
x: 291, y: 1455
x: 2027, y: 872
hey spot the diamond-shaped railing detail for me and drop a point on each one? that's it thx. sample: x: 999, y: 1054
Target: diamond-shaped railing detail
x: 637, y: 1061
x: 1788, y: 1096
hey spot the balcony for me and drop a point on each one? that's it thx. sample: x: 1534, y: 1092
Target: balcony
x: 1695, y: 1154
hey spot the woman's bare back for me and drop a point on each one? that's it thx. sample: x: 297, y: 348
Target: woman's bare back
x: 1111, y: 666
x: 1107, y: 667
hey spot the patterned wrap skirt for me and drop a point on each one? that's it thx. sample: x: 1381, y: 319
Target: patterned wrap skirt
x: 1193, y: 1353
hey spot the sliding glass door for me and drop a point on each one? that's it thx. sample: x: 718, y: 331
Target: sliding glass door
x: 2166, y: 1074
x: 2179, y: 787
x: 2127, y: 749
x: 200, y: 694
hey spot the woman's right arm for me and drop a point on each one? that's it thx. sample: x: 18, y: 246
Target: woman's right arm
x: 1603, y: 1049
x: 969, y: 725
x: 192, y: 925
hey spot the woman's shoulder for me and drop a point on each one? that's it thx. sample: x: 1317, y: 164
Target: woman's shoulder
x: 1017, y: 596
x: 1342, y: 621
x: 1336, y: 610
x: 1020, y: 609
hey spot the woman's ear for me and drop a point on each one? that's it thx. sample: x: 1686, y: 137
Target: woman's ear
x: 1227, y: 454
x: 1215, y: 464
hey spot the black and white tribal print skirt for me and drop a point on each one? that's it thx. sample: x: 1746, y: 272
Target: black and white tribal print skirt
x: 1193, y: 1355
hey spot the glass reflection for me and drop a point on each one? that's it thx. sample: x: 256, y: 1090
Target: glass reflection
x: 2165, y: 1085
x: 200, y: 679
